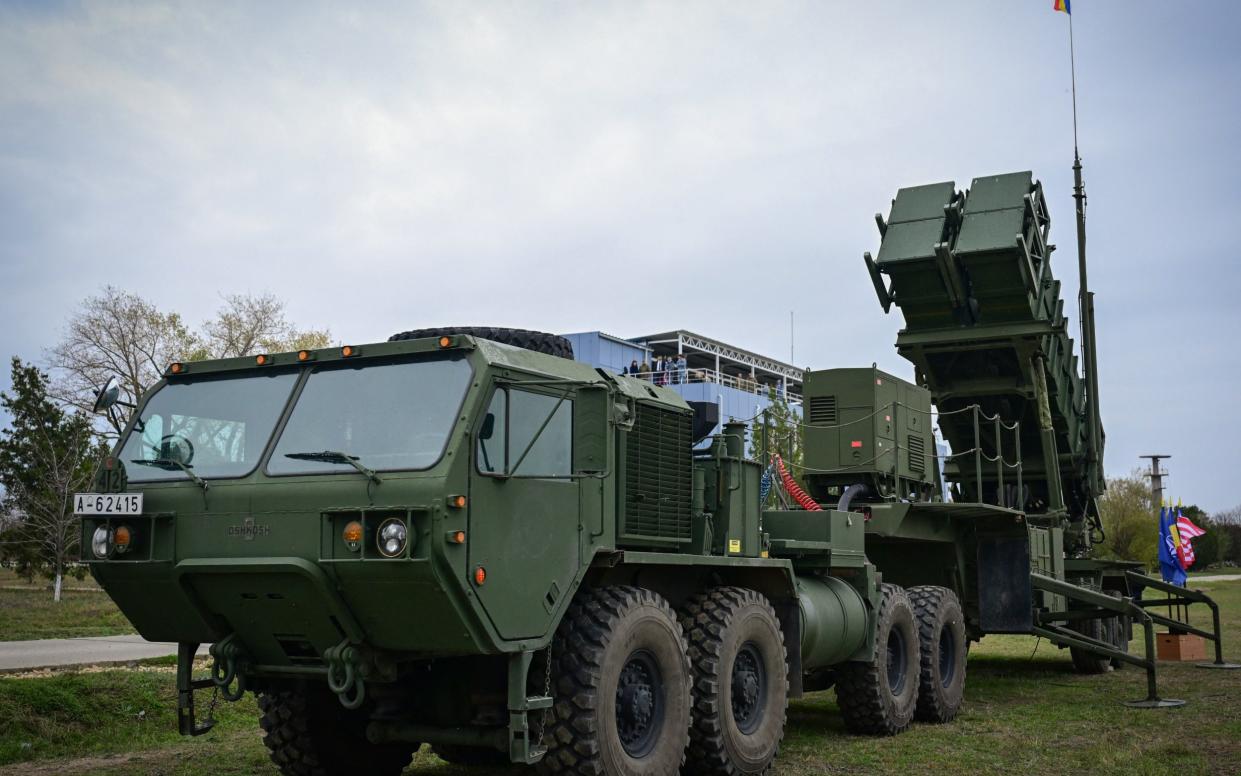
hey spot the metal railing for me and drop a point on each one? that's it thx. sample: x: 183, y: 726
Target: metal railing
x: 1001, y: 463
x: 693, y: 375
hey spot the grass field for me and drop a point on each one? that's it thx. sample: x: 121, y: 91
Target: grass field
x: 1025, y: 712
x: 27, y: 610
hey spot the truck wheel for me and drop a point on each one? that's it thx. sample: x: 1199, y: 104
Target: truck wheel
x: 622, y: 687
x: 311, y: 734
x: 740, y: 682
x: 878, y: 697
x: 1086, y: 662
x: 469, y: 755
x: 941, y: 635
x: 540, y: 342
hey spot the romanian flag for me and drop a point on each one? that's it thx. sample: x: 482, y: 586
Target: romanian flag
x: 1169, y: 543
x: 1061, y: 5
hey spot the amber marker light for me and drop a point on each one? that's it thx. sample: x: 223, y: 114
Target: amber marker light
x: 176, y: 368
x: 348, y: 351
x: 262, y: 360
x: 457, y: 502
x: 457, y: 537
x: 303, y: 355
x: 480, y: 575
x: 445, y: 342
x: 121, y: 538
x: 352, y: 536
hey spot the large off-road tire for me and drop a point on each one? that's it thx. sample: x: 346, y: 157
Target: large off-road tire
x: 740, y: 682
x: 878, y: 697
x: 621, y: 680
x: 942, y: 641
x: 469, y: 755
x: 308, y: 733
x: 540, y: 342
x: 1084, y: 661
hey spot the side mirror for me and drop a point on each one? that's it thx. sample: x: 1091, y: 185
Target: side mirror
x: 488, y: 428
x: 108, y: 395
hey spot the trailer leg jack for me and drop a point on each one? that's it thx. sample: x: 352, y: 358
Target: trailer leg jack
x: 1184, y: 596
x: 1050, y: 628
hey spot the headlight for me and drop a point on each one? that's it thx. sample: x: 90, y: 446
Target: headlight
x: 101, y: 542
x: 392, y: 537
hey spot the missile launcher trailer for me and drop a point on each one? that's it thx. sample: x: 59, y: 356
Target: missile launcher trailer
x: 464, y: 538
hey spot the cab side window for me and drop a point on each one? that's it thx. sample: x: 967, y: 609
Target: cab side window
x: 492, y: 435
x: 511, y: 428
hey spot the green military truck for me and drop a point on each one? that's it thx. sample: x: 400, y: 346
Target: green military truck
x: 464, y: 538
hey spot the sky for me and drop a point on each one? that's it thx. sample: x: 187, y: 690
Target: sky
x: 629, y: 167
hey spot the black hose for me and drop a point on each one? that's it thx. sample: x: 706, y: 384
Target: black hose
x: 851, y: 491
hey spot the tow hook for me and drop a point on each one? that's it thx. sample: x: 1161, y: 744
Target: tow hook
x: 230, y: 663
x: 348, y: 668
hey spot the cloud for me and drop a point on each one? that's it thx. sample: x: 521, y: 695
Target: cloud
x: 629, y: 167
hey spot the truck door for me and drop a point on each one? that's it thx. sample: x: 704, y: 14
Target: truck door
x: 523, y: 508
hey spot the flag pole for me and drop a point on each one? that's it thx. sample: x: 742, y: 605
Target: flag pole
x: 1073, y: 80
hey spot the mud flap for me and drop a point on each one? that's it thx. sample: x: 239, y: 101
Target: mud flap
x: 1005, y: 598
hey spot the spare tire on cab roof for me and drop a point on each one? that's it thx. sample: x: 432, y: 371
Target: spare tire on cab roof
x: 539, y: 342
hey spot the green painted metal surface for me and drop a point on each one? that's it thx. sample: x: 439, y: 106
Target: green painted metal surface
x: 985, y: 326
x: 867, y: 426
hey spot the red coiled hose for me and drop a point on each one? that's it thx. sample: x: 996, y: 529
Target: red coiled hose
x: 794, y: 490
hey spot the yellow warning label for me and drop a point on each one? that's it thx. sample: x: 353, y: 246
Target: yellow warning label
x: 734, y: 545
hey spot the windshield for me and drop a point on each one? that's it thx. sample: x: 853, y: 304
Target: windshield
x: 216, y: 427
x: 392, y: 416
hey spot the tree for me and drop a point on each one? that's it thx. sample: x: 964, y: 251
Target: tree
x: 46, y: 455
x: 785, y: 436
x: 1129, y: 522
x: 1229, y: 516
x: 247, y: 325
x: 116, y: 334
x: 120, y: 334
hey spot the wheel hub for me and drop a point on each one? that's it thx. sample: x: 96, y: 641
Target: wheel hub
x: 947, y: 656
x: 896, y: 661
x: 749, y: 688
x: 639, y: 704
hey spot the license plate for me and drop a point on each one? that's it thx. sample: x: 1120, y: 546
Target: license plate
x: 107, y: 504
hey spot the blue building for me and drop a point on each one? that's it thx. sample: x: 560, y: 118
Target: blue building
x: 739, y: 381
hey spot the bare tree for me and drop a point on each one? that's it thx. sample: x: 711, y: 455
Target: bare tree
x: 248, y: 324
x: 119, y: 334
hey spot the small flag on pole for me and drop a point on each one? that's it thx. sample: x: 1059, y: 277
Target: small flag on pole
x: 1185, y: 531
x: 1061, y: 6
x: 1169, y: 555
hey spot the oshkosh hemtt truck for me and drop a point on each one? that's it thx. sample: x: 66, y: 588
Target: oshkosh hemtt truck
x: 465, y: 538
